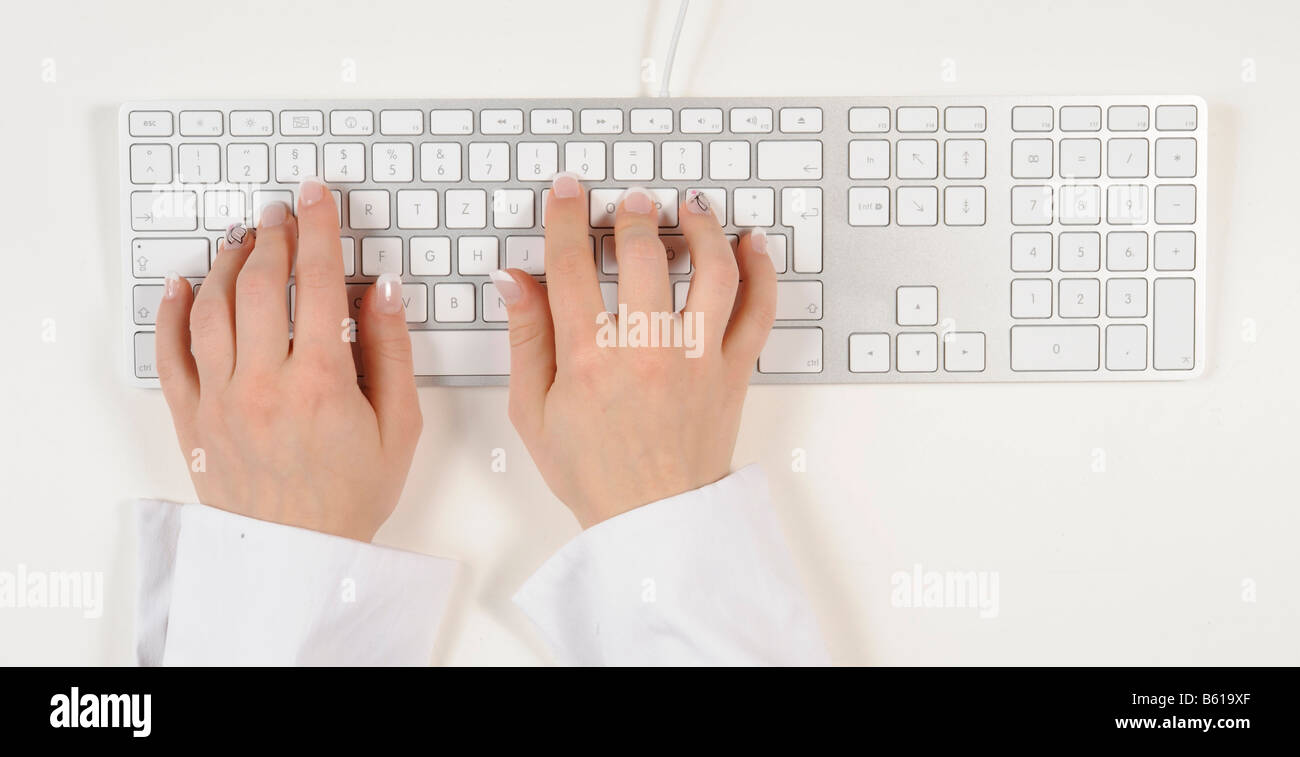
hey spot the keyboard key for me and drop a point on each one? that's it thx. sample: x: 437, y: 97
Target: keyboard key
x: 551, y: 121
x: 501, y: 121
x: 1126, y: 347
x: 151, y: 164
x: 1175, y: 250
x: 222, y: 208
x: 1126, y: 158
x: 798, y: 300
x: 1126, y: 204
x: 144, y: 303
x: 789, y: 160
x: 295, y: 162
x: 150, y: 123
x: 145, y: 361
x: 381, y: 255
x: 913, y: 119
x: 869, y: 159
x: 801, y: 120
x: 1031, y: 118
x: 1128, y: 117
x: 792, y: 351
x: 963, y: 352
x: 868, y: 120
x: 352, y: 123
x: 1175, y: 158
x: 1126, y: 251
x: 964, y: 159
x: 1079, y: 298
x: 1080, y: 158
x: 1031, y: 205
x: 345, y: 162
x: 201, y: 123
x: 1031, y: 298
x: 1176, y: 203
x: 586, y: 159
x: 368, y: 209
x: 451, y: 122
x: 1031, y: 158
x: 401, y: 122
x: 604, y: 203
x: 918, y: 353
x: 751, y: 120
x: 418, y: 209
x: 164, y: 211
x: 453, y: 303
x: 652, y: 120
x: 477, y: 256
x: 466, y: 209
x: 1126, y: 298
x: 265, y: 197
x: 537, y: 161
x: 918, y: 206
x: 153, y: 258
x: 917, y: 159
x: 1176, y: 118
x: 1031, y: 251
x: 917, y: 306
x: 602, y: 121
x: 776, y: 250
x: 250, y: 123
x: 1079, y: 205
x: 869, y: 206
x: 440, y: 161
x: 349, y: 247
x: 527, y: 254
x: 682, y: 161
x: 302, y: 123
x: 1080, y: 118
x: 489, y: 161
x: 1080, y: 251
x: 963, y: 206
x: 446, y: 352
x: 869, y: 353
x: 392, y: 162
x: 634, y: 161
x: 754, y: 206
x: 430, y: 256
x: 1055, y: 348
x: 247, y: 164
x: 701, y: 120
x: 494, y: 307
x: 729, y: 161
x: 1173, y: 324
x: 512, y: 208
x: 965, y: 118
x: 801, y: 209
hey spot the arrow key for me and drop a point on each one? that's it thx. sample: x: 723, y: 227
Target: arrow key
x: 869, y: 353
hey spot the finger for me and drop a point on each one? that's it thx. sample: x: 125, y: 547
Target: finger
x: 320, y: 297
x: 642, y: 261
x: 176, y: 369
x: 713, y: 285
x: 212, y: 318
x: 574, y: 293
x: 755, y: 303
x: 532, y: 347
x: 386, y: 361
x: 261, y: 293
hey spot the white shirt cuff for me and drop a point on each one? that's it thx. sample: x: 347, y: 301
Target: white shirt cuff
x: 250, y: 592
x: 702, y: 578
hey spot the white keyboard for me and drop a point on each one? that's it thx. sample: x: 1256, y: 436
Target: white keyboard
x: 915, y: 238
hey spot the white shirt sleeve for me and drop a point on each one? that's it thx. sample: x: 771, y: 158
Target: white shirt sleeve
x: 702, y: 578
x: 218, y: 588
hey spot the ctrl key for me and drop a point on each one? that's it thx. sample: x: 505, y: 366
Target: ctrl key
x: 792, y: 351
x: 145, y: 365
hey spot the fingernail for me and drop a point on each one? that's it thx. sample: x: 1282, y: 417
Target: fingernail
x: 274, y: 214
x: 637, y: 200
x: 390, y: 293
x: 236, y: 233
x: 758, y: 240
x: 311, y: 191
x: 565, y: 186
x: 171, y: 285
x: 698, y: 202
x: 507, y: 288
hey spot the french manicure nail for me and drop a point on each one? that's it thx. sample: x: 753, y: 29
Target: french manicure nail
x: 390, y: 293
x: 507, y: 288
x: 171, y: 285
x: 637, y: 200
x: 698, y: 202
x: 758, y: 240
x: 565, y: 186
x: 274, y: 214
x: 311, y: 191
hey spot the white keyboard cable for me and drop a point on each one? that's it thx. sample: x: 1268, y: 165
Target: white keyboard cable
x: 672, y: 47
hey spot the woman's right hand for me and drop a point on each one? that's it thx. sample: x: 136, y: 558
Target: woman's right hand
x: 613, y: 426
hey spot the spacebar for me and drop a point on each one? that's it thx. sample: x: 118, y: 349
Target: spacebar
x: 461, y: 353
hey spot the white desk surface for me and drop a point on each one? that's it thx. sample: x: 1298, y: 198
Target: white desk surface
x: 1144, y: 563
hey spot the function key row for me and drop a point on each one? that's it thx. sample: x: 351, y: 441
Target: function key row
x: 1037, y: 118
x: 455, y: 122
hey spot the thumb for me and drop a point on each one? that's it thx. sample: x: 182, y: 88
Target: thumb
x: 532, y: 346
x: 386, y: 361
